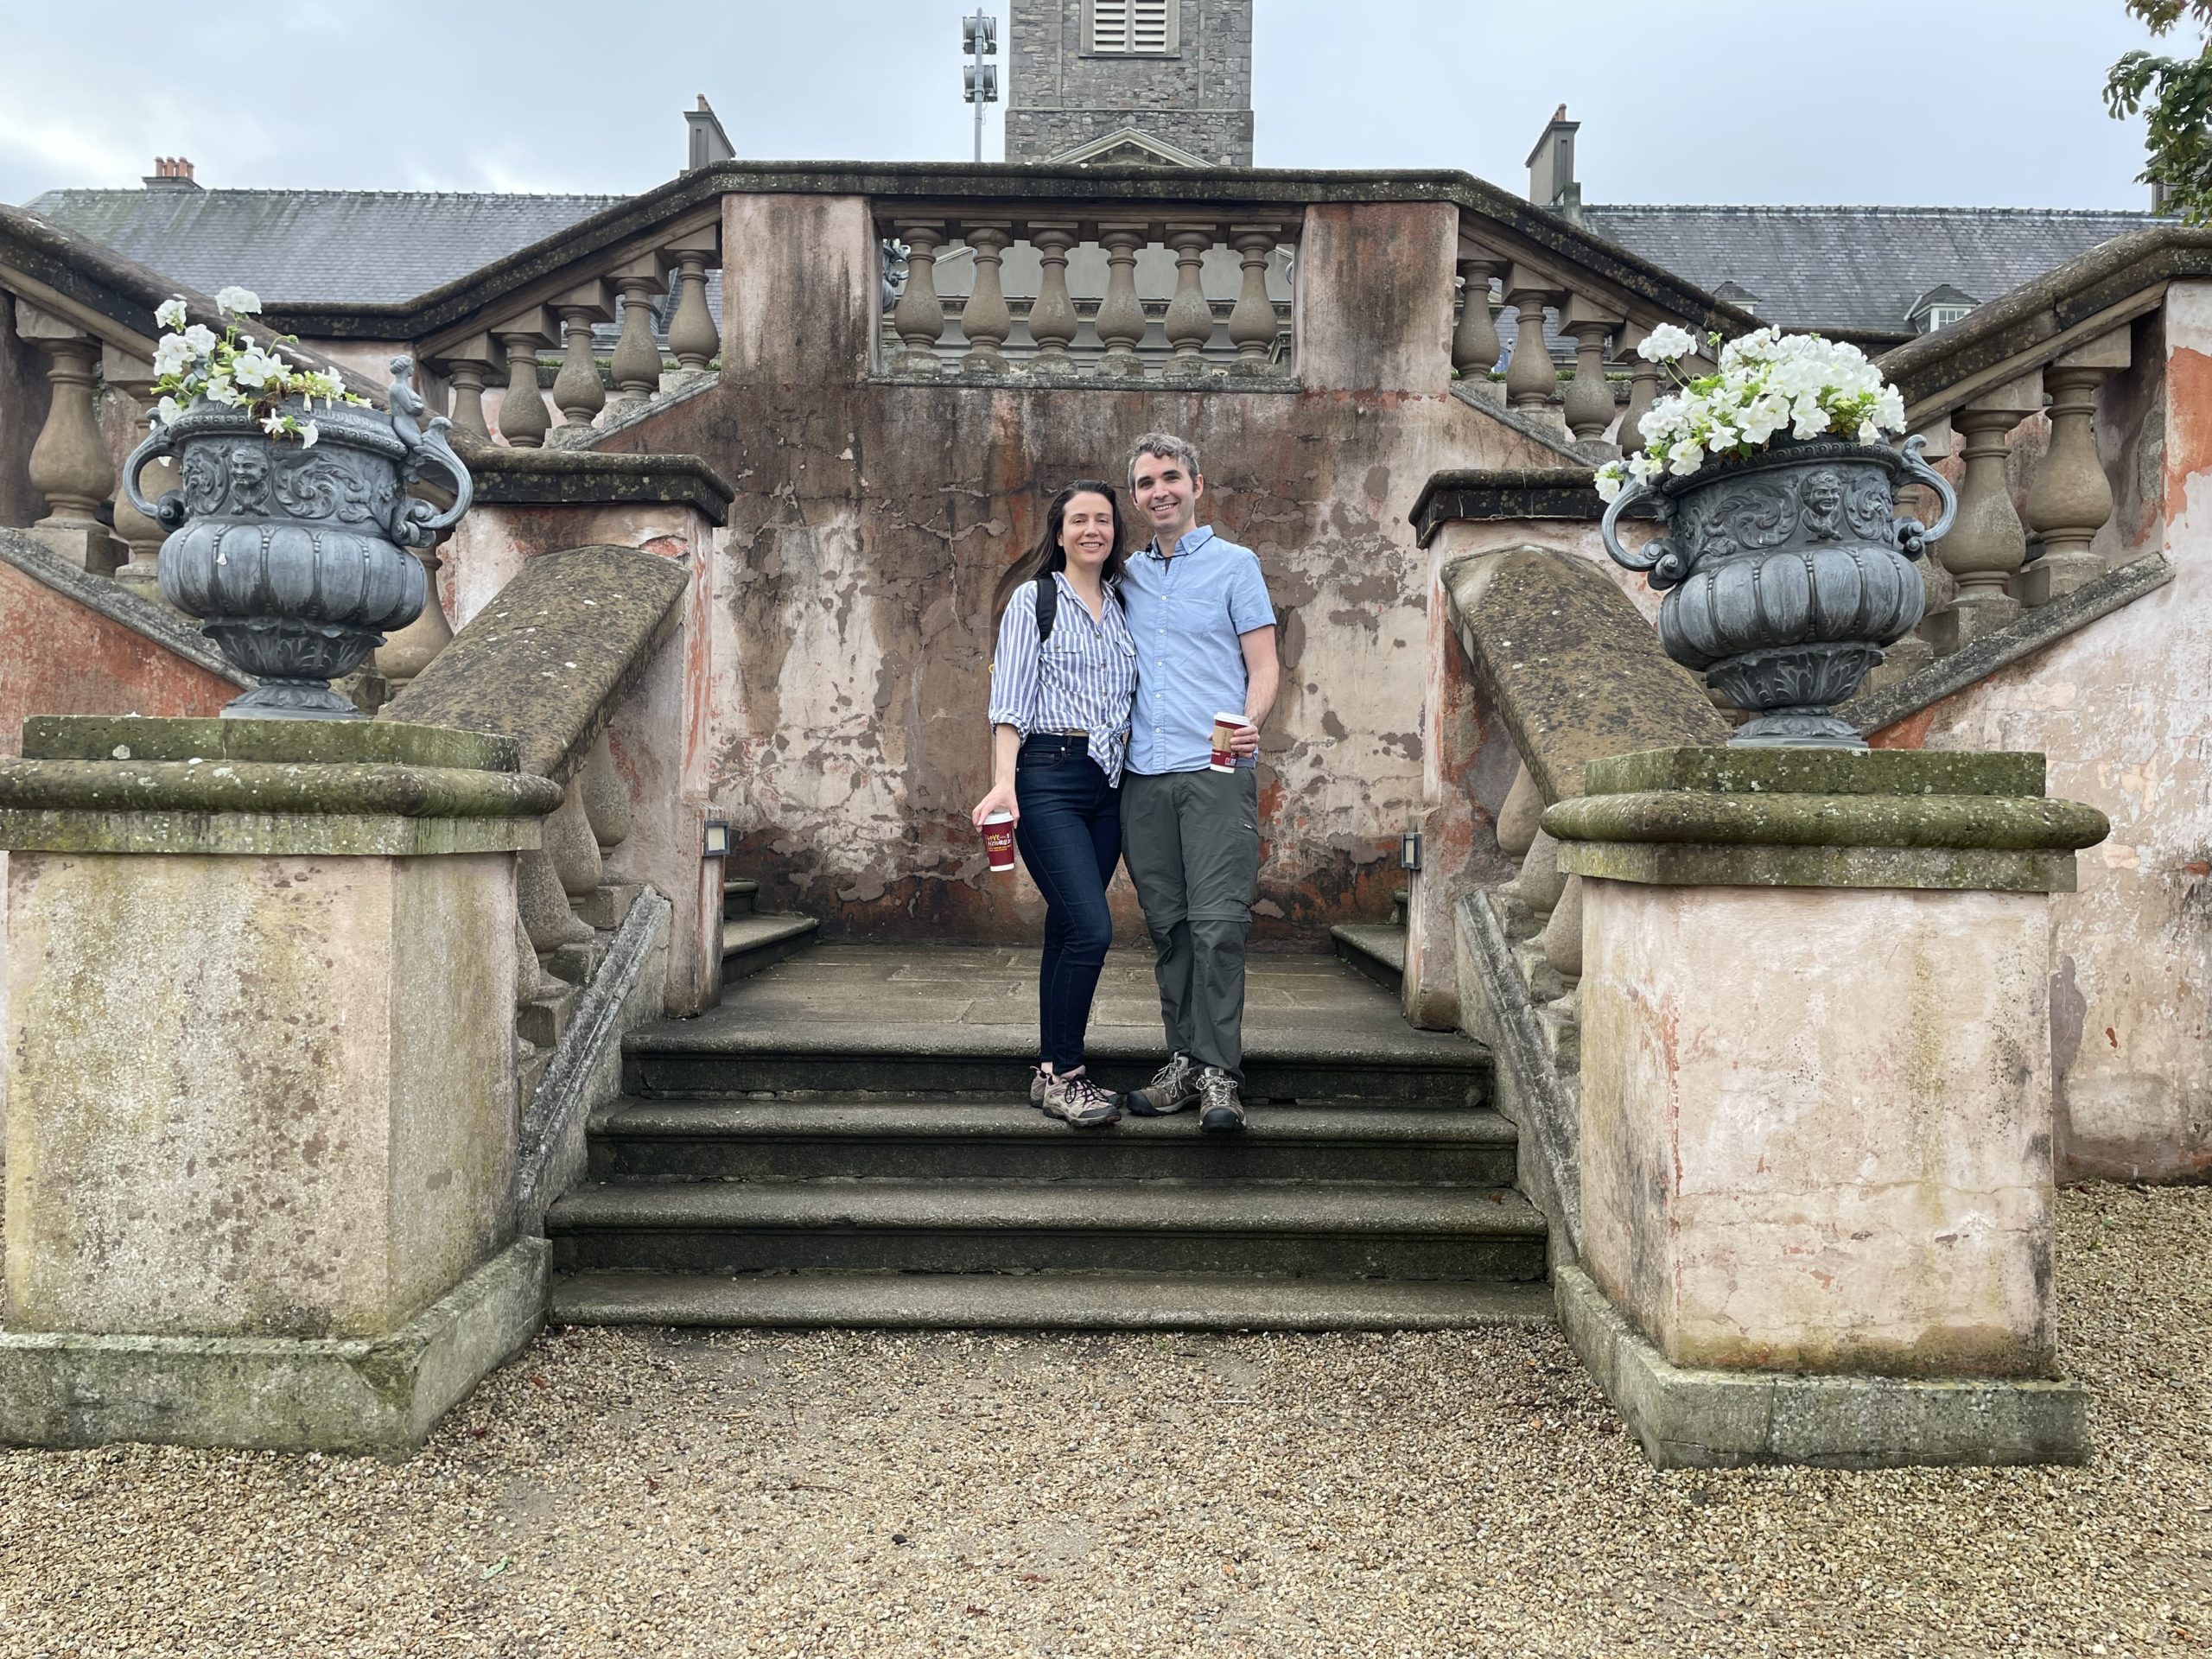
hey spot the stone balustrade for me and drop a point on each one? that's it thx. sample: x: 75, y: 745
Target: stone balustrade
x: 624, y: 333
x: 1184, y: 296
x: 2034, y: 497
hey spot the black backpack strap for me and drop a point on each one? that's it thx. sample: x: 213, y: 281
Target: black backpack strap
x: 1048, y: 606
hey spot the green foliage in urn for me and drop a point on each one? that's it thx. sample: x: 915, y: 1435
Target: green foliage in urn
x: 193, y: 363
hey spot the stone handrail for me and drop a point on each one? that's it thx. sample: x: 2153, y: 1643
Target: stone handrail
x: 543, y: 665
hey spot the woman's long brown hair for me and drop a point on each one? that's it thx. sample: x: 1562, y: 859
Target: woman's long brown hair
x: 1049, y: 555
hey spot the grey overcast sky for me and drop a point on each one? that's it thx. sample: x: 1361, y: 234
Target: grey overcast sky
x: 1992, y: 103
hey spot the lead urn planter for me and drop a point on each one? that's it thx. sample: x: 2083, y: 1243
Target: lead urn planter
x: 1785, y: 573
x: 297, y: 559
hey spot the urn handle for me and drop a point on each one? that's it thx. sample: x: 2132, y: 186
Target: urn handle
x: 169, y: 512
x: 1660, y: 562
x: 417, y: 522
x: 1913, y: 537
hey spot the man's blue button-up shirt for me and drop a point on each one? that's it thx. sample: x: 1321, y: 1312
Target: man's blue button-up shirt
x: 1186, y: 614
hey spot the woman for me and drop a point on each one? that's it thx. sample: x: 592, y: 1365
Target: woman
x: 1062, y: 683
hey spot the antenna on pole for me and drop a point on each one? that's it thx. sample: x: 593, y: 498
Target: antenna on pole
x: 979, y: 39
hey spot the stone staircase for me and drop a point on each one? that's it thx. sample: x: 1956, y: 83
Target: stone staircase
x: 1376, y: 948
x: 753, y: 938
x: 847, y: 1140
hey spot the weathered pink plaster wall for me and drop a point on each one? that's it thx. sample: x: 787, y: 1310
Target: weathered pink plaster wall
x: 847, y: 738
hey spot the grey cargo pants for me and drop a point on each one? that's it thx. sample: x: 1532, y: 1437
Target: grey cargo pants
x: 1191, y: 842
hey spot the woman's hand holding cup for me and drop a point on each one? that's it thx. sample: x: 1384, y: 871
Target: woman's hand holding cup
x: 996, y: 815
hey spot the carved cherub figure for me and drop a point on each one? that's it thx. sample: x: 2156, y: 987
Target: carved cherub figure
x: 1821, y: 509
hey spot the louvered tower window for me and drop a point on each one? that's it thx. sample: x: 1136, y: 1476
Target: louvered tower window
x: 1132, y: 26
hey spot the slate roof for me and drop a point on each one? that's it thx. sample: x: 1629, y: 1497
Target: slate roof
x: 363, y: 247
x: 1857, y: 270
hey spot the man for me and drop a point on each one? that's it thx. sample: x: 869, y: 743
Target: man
x: 1205, y: 639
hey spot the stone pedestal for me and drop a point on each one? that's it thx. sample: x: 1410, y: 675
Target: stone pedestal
x: 1815, y: 1104
x: 261, y: 1137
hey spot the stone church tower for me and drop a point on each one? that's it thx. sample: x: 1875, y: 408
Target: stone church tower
x: 1163, y: 82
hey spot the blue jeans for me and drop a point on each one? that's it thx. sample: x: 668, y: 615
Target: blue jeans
x: 1070, y: 836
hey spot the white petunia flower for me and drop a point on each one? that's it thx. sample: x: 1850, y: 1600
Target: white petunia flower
x: 255, y: 368
x: 239, y: 301
x: 220, y: 390
x: 201, y: 338
x: 1608, y: 481
x: 167, y: 410
x: 308, y: 434
x: 172, y: 354
x: 1665, y: 343
x: 273, y: 423
x: 170, y: 313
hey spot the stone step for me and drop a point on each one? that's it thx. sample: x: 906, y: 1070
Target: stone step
x: 837, y: 1062
x: 1376, y: 948
x: 739, y: 898
x: 1044, y: 1301
x: 1141, y: 1227
x: 752, y: 943
x: 787, y: 1140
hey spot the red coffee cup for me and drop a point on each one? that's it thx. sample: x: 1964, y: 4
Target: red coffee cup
x: 1225, y: 727
x: 998, y: 840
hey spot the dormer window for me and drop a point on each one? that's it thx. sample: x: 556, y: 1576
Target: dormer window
x: 1130, y: 27
x: 1939, y: 308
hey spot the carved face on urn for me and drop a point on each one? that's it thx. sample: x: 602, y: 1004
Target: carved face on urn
x: 1821, y: 513
x: 249, y: 478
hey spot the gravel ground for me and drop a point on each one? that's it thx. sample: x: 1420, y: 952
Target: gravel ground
x: 883, y: 1495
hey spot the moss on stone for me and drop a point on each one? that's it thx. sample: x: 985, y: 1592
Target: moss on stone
x: 1943, y: 868
x: 545, y: 661
x: 1961, y: 821
x: 315, y: 742
x: 262, y: 788
x: 1818, y: 771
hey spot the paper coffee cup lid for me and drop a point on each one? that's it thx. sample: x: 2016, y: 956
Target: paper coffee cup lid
x: 1231, y: 720
x: 999, y: 816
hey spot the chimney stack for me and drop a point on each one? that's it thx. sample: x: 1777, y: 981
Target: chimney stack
x: 171, y: 173
x: 1551, y: 183
x: 709, y: 144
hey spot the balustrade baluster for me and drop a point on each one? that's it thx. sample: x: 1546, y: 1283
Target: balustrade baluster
x: 2071, y: 499
x: 1517, y: 818
x: 1531, y: 379
x: 985, y: 319
x: 1643, y: 390
x: 1987, y: 544
x: 1562, y: 935
x: 606, y: 797
x: 1252, y: 318
x: 692, y: 339
x: 1120, y: 322
x: 133, y: 379
x: 1474, y: 346
x: 524, y: 422
x: 1588, y: 406
x: 1052, y: 319
x: 918, y: 319
x: 467, y: 367
x: 578, y: 393
x: 1189, y: 321
x: 70, y: 463
x: 635, y: 362
x: 571, y: 845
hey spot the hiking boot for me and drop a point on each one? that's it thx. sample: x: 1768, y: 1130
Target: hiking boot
x: 1040, y: 1079
x: 1080, y: 1103
x: 1174, y: 1086
x: 1220, y: 1109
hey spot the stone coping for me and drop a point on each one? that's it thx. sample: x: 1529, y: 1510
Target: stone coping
x: 2029, y: 632
x: 171, y: 630
x: 1699, y: 1418
x: 379, y: 1394
x: 1819, y: 771
x: 261, y: 834
x: 546, y: 659
x: 1941, y: 819
x: 1541, y: 432
x: 301, y: 742
x: 1485, y: 495
x: 542, y: 477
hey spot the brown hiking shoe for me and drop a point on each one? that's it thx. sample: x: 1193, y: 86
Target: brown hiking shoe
x: 1174, y: 1086
x: 1221, y: 1109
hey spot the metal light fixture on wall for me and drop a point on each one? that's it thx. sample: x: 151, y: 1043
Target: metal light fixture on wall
x: 1409, y: 850
x: 979, y: 38
x: 715, y: 839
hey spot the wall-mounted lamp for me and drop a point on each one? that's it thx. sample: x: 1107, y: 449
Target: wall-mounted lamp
x: 1409, y: 850
x: 715, y: 841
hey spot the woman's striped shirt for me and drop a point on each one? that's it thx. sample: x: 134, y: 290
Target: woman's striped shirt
x: 1084, y: 679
